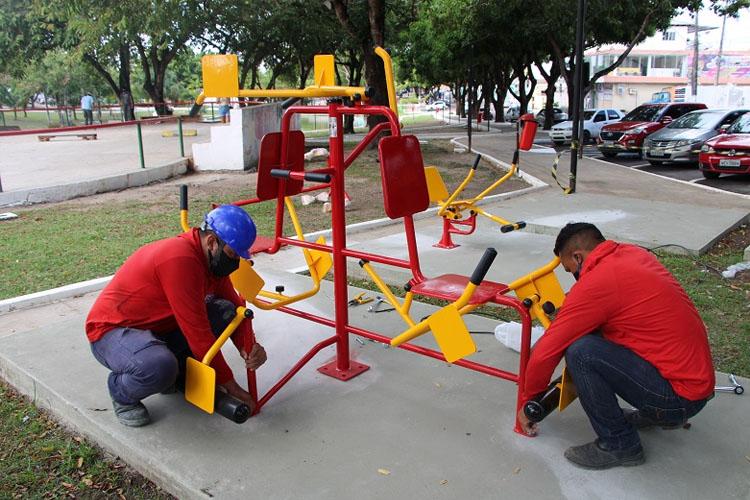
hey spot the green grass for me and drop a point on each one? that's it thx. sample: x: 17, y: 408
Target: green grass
x: 49, y: 247
x: 723, y: 304
x: 38, y: 459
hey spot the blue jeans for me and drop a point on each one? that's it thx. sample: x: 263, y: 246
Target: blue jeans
x: 142, y: 364
x: 603, y: 370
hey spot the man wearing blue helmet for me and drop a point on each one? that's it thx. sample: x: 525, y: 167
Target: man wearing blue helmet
x: 168, y: 301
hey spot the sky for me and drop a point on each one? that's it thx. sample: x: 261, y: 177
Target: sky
x: 736, y: 35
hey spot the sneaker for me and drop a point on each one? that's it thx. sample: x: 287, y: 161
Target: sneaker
x: 640, y: 422
x: 135, y: 415
x: 593, y: 456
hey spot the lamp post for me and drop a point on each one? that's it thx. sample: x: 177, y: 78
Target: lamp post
x: 577, y: 94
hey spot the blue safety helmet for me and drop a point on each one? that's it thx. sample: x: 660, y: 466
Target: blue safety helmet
x: 233, y: 226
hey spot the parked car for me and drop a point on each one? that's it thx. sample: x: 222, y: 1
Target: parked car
x: 681, y: 140
x: 727, y: 153
x: 436, y: 106
x: 627, y: 135
x: 512, y: 113
x: 593, y: 121
x: 558, y: 116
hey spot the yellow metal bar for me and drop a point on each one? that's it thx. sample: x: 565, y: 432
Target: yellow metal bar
x: 402, y: 310
x: 388, y: 66
x: 228, y: 331
x: 464, y: 298
x: 490, y: 216
x: 415, y: 331
x: 283, y: 300
x: 547, y: 268
x: 495, y: 184
x: 184, y: 220
x: 200, y: 99
x: 444, y: 207
x: 324, y: 91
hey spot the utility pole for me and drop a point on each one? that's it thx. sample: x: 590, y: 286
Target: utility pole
x: 694, y: 78
x: 577, y: 94
x: 721, y: 48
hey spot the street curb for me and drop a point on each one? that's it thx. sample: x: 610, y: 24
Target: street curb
x: 75, y: 419
x: 48, y: 296
x: 101, y: 185
x: 538, y: 183
x: 688, y: 183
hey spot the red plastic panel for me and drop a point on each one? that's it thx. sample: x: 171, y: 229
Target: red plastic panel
x: 451, y: 286
x: 270, y: 157
x: 402, y: 174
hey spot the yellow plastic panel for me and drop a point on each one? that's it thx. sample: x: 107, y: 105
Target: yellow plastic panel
x: 325, y: 70
x: 246, y: 281
x: 200, y: 385
x: 547, y: 287
x: 435, y: 185
x: 321, y: 261
x: 220, y: 75
x: 568, y: 392
x: 451, y: 334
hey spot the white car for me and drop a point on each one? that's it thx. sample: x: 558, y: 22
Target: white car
x: 594, y: 120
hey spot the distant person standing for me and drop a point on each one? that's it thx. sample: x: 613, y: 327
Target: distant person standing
x: 224, y: 107
x: 87, y: 106
x: 127, y: 106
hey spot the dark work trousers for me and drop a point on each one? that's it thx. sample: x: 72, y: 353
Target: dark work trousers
x: 603, y: 370
x: 143, y: 364
x: 88, y: 115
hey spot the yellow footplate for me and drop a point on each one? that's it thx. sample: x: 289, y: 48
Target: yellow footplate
x: 200, y: 385
x: 451, y: 334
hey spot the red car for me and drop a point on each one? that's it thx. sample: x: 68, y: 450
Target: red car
x: 627, y: 135
x: 727, y: 153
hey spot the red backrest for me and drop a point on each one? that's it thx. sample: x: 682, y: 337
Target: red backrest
x: 402, y: 173
x: 270, y: 157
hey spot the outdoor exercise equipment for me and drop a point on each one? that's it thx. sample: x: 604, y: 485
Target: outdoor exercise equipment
x: 281, y: 175
x: 221, y: 79
x: 453, y: 209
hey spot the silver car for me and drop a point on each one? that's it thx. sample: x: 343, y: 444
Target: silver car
x: 681, y: 140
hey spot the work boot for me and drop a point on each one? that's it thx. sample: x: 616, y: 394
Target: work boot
x: 640, y: 421
x: 135, y: 415
x: 593, y: 456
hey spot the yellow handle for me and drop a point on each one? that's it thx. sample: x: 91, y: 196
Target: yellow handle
x: 228, y: 331
x: 184, y: 220
x: 547, y: 268
x: 388, y: 66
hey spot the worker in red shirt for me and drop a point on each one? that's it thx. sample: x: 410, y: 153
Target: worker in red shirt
x: 626, y: 328
x: 168, y: 301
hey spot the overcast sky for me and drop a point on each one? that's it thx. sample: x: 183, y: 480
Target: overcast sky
x: 736, y: 36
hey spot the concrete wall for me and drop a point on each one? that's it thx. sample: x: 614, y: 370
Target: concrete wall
x: 236, y: 145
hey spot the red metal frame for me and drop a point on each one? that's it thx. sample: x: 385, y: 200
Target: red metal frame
x: 342, y: 367
x: 449, y: 227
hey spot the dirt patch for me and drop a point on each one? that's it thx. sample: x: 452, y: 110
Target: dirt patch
x: 735, y: 241
x: 363, y: 185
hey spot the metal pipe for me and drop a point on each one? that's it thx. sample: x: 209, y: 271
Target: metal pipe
x: 140, y: 144
x: 179, y: 131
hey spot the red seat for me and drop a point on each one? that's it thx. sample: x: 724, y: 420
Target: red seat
x: 450, y: 287
x: 261, y: 244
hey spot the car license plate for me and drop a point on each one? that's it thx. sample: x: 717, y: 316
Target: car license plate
x: 729, y: 163
x: 608, y: 144
x: 659, y: 153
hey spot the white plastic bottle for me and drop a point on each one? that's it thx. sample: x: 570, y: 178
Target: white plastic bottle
x: 509, y: 334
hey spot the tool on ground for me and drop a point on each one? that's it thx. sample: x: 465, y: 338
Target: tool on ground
x: 379, y: 301
x: 736, y: 387
x: 360, y: 299
x: 200, y: 377
x: 231, y: 408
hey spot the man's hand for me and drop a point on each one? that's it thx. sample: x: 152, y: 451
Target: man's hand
x: 529, y: 427
x: 256, y: 358
x: 237, y: 392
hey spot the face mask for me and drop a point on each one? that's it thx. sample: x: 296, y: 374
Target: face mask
x: 220, y: 264
x: 577, y: 272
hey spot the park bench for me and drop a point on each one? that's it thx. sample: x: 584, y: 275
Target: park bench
x: 85, y: 137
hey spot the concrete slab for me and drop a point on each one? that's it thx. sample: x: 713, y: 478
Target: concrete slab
x: 439, y: 430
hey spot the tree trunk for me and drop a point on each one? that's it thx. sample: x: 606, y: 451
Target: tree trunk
x: 551, y: 79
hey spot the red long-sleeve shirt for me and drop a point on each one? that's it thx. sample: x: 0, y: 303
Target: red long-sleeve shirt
x: 162, y: 287
x: 626, y: 294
